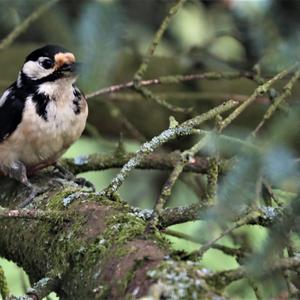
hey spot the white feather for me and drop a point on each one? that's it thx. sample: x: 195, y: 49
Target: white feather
x: 4, y: 97
x: 34, y: 70
x: 60, y: 90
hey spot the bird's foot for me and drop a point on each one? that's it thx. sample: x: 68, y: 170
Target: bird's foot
x: 62, y: 172
x: 17, y: 171
x: 85, y: 183
x: 34, y: 192
x: 66, y: 174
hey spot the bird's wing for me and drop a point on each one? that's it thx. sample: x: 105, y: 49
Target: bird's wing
x: 12, y: 105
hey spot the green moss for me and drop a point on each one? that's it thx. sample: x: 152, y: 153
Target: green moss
x: 127, y: 278
x: 62, y: 250
x: 123, y: 227
x: 116, y: 202
x: 56, y: 201
x: 120, y: 228
x: 63, y: 245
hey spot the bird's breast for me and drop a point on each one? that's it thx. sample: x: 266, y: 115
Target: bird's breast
x: 45, y: 134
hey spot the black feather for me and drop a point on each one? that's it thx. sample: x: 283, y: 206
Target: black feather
x: 41, y: 101
x: 47, y: 51
x: 76, y: 101
x: 11, y: 112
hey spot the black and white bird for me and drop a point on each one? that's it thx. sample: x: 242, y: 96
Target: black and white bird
x: 41, y: 114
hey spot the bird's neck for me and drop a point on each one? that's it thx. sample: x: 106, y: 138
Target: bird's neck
x: 61, y: 89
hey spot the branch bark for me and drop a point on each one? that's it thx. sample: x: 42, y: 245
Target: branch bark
x: 154, y: 161
x: 93, y: 248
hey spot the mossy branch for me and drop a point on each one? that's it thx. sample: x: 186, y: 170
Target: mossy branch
x: 153, y: 161
x: 82, y: 253
x: 186, y: 128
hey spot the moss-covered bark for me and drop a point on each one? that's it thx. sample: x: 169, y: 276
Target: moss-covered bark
x: 97, y: 248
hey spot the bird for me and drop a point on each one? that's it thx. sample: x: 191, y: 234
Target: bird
x: 41, y: 114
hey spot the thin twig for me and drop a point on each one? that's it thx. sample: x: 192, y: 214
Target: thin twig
x: 147, y: 94
x: 278, y: 100
x: 262, y: 89
x: 29, y: 214
x: 9, y: 39
x: 242, y: 221
x: 172, y: 179
x: 157, y: 37
x: 186, y: 128
x: 237, y: 252
x: 139, y: 74
x: 132, y: 130
x: 224, y: 278
x: 170, y: 79
x: 255, y: 288
x: 182, y: 96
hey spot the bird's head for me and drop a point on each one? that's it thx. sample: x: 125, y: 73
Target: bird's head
x: 49, y: 63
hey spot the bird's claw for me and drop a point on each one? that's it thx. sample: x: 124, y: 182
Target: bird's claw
x: 84, y: 183
x: 66, y: 174
x: 34, y: 192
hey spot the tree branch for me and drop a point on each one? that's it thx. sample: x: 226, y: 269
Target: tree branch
x: 9, y: 39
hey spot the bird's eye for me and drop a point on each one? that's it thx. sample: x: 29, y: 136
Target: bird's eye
x: 46, y: 63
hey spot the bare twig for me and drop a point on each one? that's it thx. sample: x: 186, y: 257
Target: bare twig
x: 278, y: 100
x: 139, y: 74
x: 224, y: 278
x: 225, y: 249
x: 9, y: 39
x: 132, y: 130
x: 147, y: 94
x: 262, y: 89
x: 242, y: 221
x: 183, y: 96
x: 164, y: 25
x: 171, y: 79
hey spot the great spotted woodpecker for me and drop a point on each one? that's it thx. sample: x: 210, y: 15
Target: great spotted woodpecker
x: 41, y: 114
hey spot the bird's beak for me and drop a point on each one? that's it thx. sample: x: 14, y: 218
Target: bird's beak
x: 70, y: 68
x: 65, y: 62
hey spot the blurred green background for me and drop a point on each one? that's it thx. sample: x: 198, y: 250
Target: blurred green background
x: 110, y: 37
